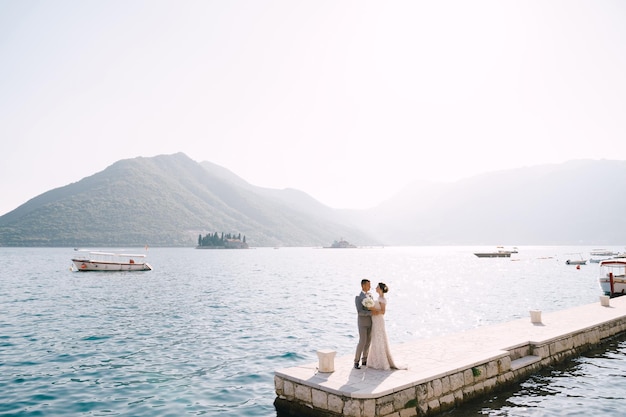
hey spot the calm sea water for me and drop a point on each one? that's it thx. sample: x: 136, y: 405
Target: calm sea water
x: 204, y: 331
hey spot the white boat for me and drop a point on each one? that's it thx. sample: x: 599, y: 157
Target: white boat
x: 612, y: 278
x: 603, y: 252
x: 110, y: 261
x: 598, y: 260
x: 580, y: 261
x: 499, y: 253
x: 598, y: 255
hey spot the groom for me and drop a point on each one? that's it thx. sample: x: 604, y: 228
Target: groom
x: 365, y: 325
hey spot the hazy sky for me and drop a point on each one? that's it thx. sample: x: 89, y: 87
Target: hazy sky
x: 348, y: 101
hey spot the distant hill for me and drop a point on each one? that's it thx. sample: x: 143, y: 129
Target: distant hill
x: 169, y: 200
x: 576, y: 203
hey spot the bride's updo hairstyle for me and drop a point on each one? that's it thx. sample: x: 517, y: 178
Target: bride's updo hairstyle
x: 383, y: 287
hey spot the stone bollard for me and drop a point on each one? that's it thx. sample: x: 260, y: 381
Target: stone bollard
x: 605, y: 300
x: 535, y: 316
x: 327, y: 360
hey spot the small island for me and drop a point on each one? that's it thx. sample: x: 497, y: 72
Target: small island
x: 340, y: 244
x: 223, y: 241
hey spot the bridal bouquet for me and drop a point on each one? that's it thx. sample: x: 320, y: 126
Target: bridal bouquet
x: 368, y: 301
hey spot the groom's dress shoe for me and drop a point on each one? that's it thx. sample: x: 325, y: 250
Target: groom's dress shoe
x: 356, y: 366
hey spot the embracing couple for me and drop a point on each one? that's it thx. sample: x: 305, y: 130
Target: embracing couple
x: 373, y: 348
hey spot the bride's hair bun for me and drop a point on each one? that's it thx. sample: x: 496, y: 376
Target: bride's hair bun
x: 383, y: 287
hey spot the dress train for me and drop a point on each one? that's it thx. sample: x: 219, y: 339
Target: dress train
x: 380, y: 355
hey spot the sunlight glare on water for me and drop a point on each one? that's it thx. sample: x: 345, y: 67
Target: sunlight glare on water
x: 203, y: 333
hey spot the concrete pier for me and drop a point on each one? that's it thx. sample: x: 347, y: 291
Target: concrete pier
x: 446, y: 371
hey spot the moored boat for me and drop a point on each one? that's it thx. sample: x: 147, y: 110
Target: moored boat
x: 110, y: 261
x: 576, y: 262
x: 599, y: 255
x: 499, y: 253
x: 612, y: 278
x: 603, y: 252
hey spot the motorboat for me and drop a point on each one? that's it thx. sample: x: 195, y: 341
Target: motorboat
x: 580, y: 261
x: 598, y: 255
x: 603, y: 252
x: 612, y: 278
x: 499, y: 253
x: 110, y: 261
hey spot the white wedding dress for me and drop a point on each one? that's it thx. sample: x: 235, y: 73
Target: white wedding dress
x: 380, y: 355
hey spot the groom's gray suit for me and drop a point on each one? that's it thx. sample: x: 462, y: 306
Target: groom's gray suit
x: 365, y: 329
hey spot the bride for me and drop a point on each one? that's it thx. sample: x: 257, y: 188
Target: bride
x: 380, y: 356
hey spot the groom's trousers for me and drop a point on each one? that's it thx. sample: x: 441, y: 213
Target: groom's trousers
x: 365, y: 338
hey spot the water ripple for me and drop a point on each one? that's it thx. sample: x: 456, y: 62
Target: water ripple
x: 204, y: 331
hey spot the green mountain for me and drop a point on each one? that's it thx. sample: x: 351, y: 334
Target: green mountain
x: 170, y: 200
